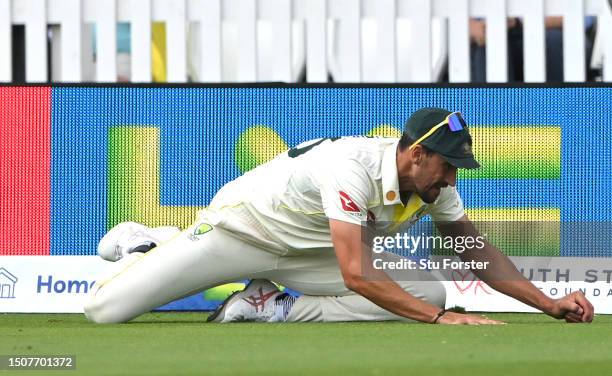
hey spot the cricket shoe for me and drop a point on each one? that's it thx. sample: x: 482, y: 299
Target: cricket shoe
x: 257, y: 302
x: 128, y: 237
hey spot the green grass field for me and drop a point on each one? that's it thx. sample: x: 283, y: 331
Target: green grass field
x: 183, y: 343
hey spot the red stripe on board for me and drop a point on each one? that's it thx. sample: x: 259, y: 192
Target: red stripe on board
x: 25, y: 167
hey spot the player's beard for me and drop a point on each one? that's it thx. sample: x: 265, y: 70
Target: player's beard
x: 429, y: 195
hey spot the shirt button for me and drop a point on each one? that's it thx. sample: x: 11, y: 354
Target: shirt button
x: 390, y: 196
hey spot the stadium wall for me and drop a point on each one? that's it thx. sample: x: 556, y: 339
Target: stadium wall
x: 76, y: 160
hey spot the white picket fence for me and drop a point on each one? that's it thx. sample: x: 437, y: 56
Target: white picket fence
x: 271, y: 40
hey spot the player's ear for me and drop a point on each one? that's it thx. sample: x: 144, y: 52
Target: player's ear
x: 417, y: 153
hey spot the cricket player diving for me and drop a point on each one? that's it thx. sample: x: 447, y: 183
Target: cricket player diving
x: 297, y: 221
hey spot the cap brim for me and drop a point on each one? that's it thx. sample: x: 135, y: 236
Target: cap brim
x: 468, y: 163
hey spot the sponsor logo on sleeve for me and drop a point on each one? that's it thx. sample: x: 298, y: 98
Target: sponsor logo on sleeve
x: 348, y: 205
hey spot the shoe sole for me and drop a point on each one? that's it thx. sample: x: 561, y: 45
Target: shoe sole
x: 219, y: 313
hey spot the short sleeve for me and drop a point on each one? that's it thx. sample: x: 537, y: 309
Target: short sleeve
x: 448, y: 207
x: 345, y: 192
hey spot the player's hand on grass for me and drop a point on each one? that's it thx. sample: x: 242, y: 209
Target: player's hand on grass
x: 574, y: 308
x: 453, y: 318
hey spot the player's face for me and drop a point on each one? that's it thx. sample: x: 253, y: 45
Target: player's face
x: 433, y: 174
x: 429, y: 173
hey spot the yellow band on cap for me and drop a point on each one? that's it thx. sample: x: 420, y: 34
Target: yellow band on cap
x: 431, y: 131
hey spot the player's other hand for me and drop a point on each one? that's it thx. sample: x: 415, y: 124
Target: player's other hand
x: 453, y: 318
x: 574, y: 308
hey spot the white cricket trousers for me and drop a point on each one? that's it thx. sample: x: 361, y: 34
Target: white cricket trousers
x: 188, y: 264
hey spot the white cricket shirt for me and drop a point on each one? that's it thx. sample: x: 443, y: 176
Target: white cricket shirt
x: 285, y: 205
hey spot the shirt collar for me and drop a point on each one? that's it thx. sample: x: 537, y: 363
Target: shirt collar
x: 390, y: 181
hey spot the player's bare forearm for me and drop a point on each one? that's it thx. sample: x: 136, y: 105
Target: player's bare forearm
x: 501, y: 274
x: 387, y: 294
x: 355, y: 263
x: 377, y: 287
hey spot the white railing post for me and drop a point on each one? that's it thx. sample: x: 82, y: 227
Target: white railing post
x: 316, y: 39
x: 459, y: 42
x: 106, y: 39
x: 71, y: 59
x: 5, y: 41
x: 497, y: 41
x: 534, y: 42
x: 209, y: 16
x: 347, y: 40
x: 574, y: 69
x: 386, y: 41
x: 36, y: 41
x: 176, y: 42
x: 420, y: 32
x: 247, y: 40
x: 282, y: 15
x: 141, y: 40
